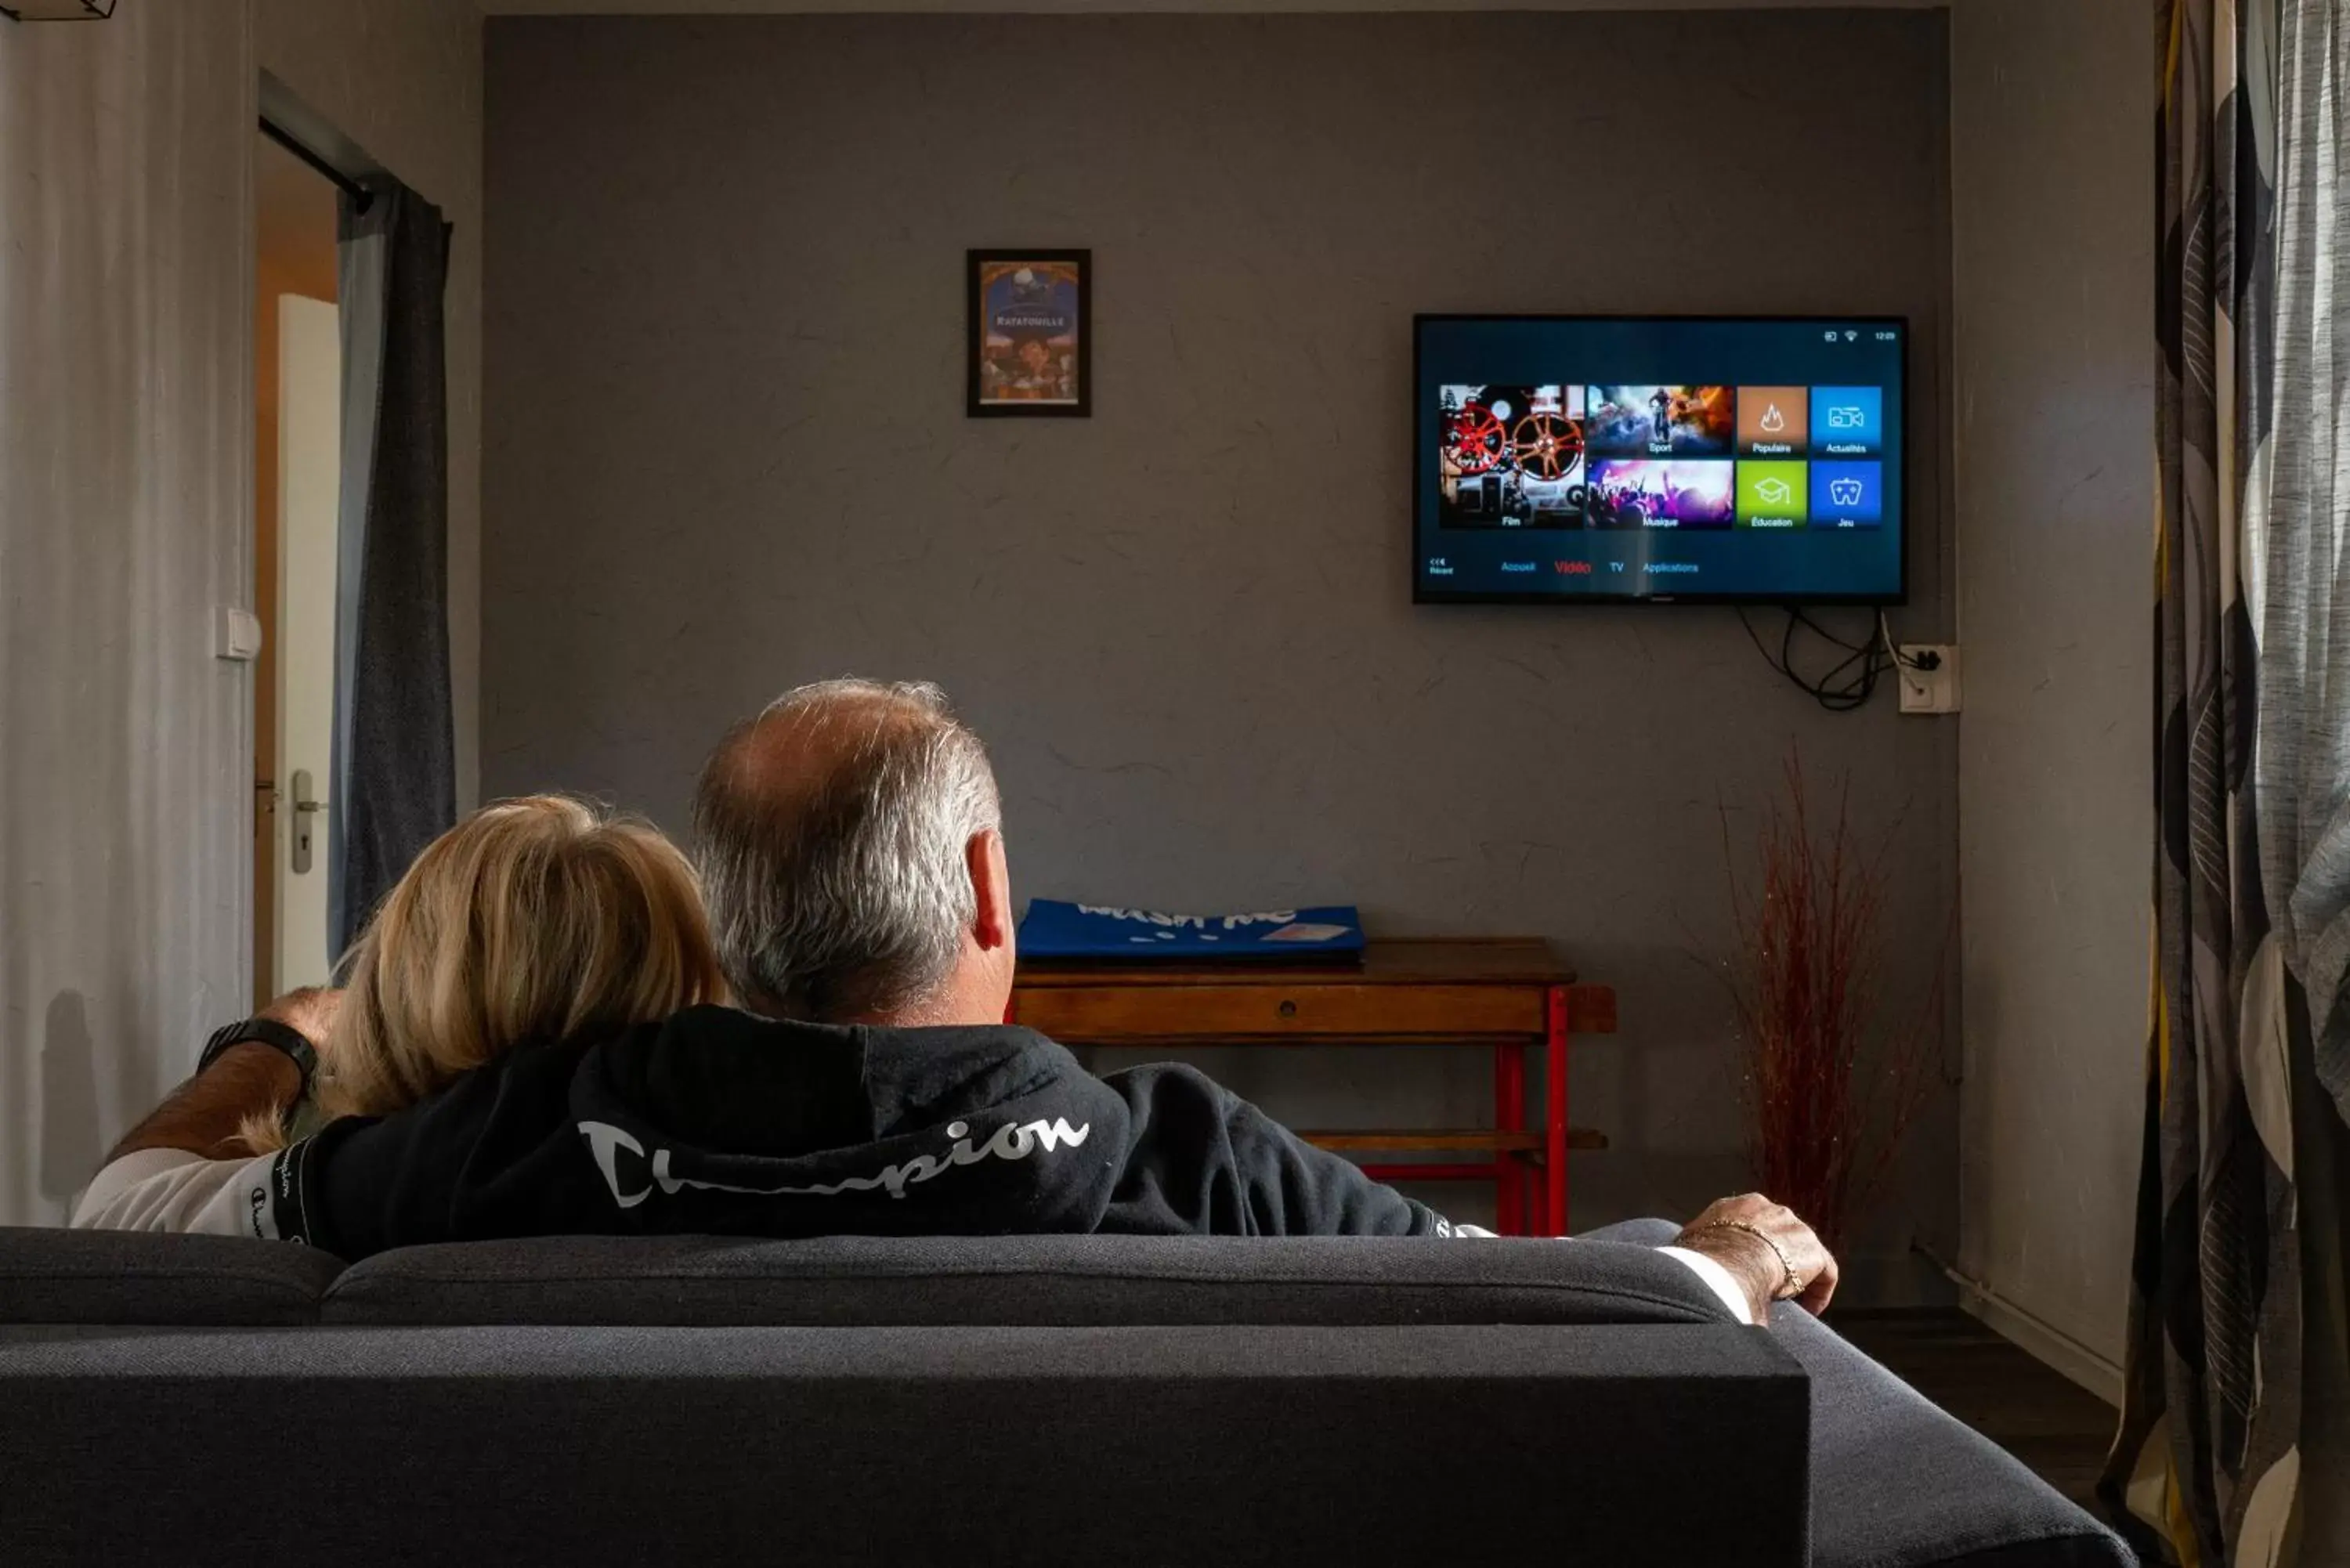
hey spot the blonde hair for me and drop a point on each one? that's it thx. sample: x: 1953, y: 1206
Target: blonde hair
x: 536, y: 919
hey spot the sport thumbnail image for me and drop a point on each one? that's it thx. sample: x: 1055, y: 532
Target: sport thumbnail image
x: 1511, y: 457
x: 1661, y: 421
x: 1641, y: 492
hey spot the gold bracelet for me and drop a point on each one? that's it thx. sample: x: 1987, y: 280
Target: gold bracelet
x: 1794, y: 1286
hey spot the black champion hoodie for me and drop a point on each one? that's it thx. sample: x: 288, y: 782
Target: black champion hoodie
x: 717, y: 1122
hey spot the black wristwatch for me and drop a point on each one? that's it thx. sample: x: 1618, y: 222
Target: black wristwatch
x: 268, y: 1032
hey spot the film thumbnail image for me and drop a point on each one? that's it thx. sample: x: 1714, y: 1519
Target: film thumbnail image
x: 1511, y: 457
x: 1662, y: 421
x: 1649, y: 493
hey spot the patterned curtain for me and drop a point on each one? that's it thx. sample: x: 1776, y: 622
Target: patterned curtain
x: 2252, y: 779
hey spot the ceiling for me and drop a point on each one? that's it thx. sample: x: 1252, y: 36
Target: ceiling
x: 997, y: 7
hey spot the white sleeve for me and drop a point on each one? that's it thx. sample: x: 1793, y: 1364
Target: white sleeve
x: 171, y: 1189
x: 1717, y: 1278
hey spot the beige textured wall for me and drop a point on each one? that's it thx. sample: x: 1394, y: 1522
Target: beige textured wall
x: 126, y: 408
x: 728, y: 453
x: 2052, y: 214
x: 403, y: 79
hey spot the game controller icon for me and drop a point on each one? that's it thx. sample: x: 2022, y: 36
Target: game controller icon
x: 1847, y: 492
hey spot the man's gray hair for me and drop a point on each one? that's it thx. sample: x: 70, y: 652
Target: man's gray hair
x: 831, y: 833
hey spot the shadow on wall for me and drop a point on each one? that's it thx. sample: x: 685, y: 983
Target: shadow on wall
x: 68, y: 1130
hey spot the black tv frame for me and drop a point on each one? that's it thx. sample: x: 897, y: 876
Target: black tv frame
x: 1420, y: 457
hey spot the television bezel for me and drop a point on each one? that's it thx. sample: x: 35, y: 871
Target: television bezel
x: 1420, y: 594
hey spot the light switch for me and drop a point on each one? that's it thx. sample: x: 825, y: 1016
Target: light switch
x: 236, y: 634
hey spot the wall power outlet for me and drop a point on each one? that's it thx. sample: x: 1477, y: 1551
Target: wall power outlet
x: 1928, y: 674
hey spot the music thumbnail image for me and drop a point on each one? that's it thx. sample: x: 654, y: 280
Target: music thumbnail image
x: 1661, y: 421
x: 1510, y: 457
x: 1644, y: 493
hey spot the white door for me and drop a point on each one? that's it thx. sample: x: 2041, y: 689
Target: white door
x: 309, y: 481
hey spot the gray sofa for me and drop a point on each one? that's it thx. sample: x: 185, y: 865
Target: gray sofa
x: 1030, y: 1399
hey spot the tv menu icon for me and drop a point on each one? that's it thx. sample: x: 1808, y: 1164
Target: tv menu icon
x: 1772, y: 494
x: 1847, y: 422
x: 1847, y: 495
x: 1773, y: 421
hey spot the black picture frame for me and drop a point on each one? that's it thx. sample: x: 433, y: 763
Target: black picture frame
x: 979, y: 267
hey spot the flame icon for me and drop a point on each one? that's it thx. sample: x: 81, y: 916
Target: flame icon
x: 1773, y: 420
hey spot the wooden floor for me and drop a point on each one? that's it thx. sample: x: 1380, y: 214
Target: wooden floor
x: 2052, y: 1424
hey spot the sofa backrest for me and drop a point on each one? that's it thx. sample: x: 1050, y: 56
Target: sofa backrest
x: 580, y: 1401
x: 99, y: 1277
x: 1015, y: 1280
x: 115, y: 1277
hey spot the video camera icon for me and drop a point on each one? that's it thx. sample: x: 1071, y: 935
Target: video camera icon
x: 1848, y: 421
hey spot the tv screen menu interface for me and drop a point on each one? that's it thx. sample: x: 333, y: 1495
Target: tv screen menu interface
x: 1563, y: 458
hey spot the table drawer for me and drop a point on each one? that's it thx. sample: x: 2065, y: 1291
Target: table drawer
x: 1106, y: 1013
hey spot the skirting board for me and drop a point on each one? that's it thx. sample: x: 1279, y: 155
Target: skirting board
x: 2052, y: 1346
x: 1893, y: 1280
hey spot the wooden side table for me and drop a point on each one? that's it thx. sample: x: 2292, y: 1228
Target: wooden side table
x: 1507, y: 993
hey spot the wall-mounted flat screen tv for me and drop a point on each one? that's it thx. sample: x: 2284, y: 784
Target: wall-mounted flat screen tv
x: 1575, y: 459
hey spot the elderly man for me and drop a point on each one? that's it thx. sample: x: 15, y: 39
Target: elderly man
x: 852, y: 854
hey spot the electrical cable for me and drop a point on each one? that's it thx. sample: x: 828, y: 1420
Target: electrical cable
x: 90, y: 12
x: 1841, y: 689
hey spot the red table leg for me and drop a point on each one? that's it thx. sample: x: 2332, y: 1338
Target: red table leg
x: 1554, y: 1123
x: 1509, y: 1115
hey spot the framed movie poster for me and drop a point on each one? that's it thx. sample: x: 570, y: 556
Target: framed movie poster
x: 1030, y: 333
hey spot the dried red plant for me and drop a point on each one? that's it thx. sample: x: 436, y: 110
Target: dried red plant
x: 1833, y: 1081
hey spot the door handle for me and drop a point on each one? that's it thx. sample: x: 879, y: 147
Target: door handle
x: 306, y: 809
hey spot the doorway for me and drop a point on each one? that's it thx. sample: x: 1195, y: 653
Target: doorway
x: 298, y: 466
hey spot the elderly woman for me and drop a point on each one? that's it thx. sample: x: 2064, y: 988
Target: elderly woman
x: 534, y: 919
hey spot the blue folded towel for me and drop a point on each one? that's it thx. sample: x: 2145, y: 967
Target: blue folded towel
x: 1055, y: 930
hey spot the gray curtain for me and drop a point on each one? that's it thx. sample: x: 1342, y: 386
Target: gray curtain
x: 2299, y: 564
x: 395, y: 770
x: 2297, y: 575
